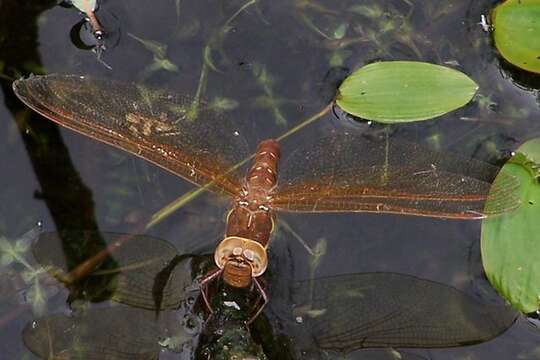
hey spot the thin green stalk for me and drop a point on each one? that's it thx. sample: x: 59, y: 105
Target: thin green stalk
x: 245, y: 6
x: 194, y: 108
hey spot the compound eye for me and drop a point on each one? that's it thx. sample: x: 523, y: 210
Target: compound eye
x: 226, y: 248
x: 253, y: 253
x: 257, y: 258
x: 248, y: 254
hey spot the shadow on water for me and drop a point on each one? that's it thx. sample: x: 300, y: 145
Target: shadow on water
x: 68, y: 200
x: 272, y: 65
x: 61, y: 188
x: 312, y: 319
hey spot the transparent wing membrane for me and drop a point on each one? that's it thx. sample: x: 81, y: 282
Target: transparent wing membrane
x: 349, y: 312
x: 355, y: 173
x: 341, y: 173
x: 148, y: 123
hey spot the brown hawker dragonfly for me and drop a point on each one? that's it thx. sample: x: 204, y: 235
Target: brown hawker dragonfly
x: 341, y: 173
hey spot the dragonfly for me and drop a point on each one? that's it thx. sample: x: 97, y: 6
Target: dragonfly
x: 339, y: 173
x: 338, y: 314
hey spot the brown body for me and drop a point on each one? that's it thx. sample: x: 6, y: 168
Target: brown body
x: 242, y: 254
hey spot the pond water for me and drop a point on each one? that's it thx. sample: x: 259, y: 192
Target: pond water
x: 274, y: 63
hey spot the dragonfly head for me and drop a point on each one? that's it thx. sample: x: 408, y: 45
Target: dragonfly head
x: 241, y: 259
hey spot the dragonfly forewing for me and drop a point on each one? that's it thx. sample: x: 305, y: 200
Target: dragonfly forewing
x: 149, y: 123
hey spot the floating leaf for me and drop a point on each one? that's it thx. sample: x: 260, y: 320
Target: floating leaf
x: 511, y: 242
x: 403, y: 91
x: 517, y: 32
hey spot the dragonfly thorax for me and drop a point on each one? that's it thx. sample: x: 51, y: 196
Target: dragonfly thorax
x: 255, y: 197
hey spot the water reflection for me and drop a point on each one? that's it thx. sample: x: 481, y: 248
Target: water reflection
x: 339, y: 314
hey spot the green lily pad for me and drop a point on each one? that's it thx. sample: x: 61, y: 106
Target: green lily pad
x: 517, y: 29
x: 511, y: 242
x: 404, y: 91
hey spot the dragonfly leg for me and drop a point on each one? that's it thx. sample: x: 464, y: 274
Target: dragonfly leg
x: 262, y: 292
x: 204, y: 286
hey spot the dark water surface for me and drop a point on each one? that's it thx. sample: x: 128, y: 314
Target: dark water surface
x: 277, y: 62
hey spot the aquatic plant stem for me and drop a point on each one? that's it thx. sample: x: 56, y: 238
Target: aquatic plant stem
x: 178, y: 6
x: 242, y: 8
x: 194, y: 108
x: 306, y: 122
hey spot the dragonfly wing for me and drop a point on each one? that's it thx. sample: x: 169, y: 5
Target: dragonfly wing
x: 146, y: 272
x: 349, y: 312
x: 151, y: 124
x: 115, y: 333
x: 356, y: 173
